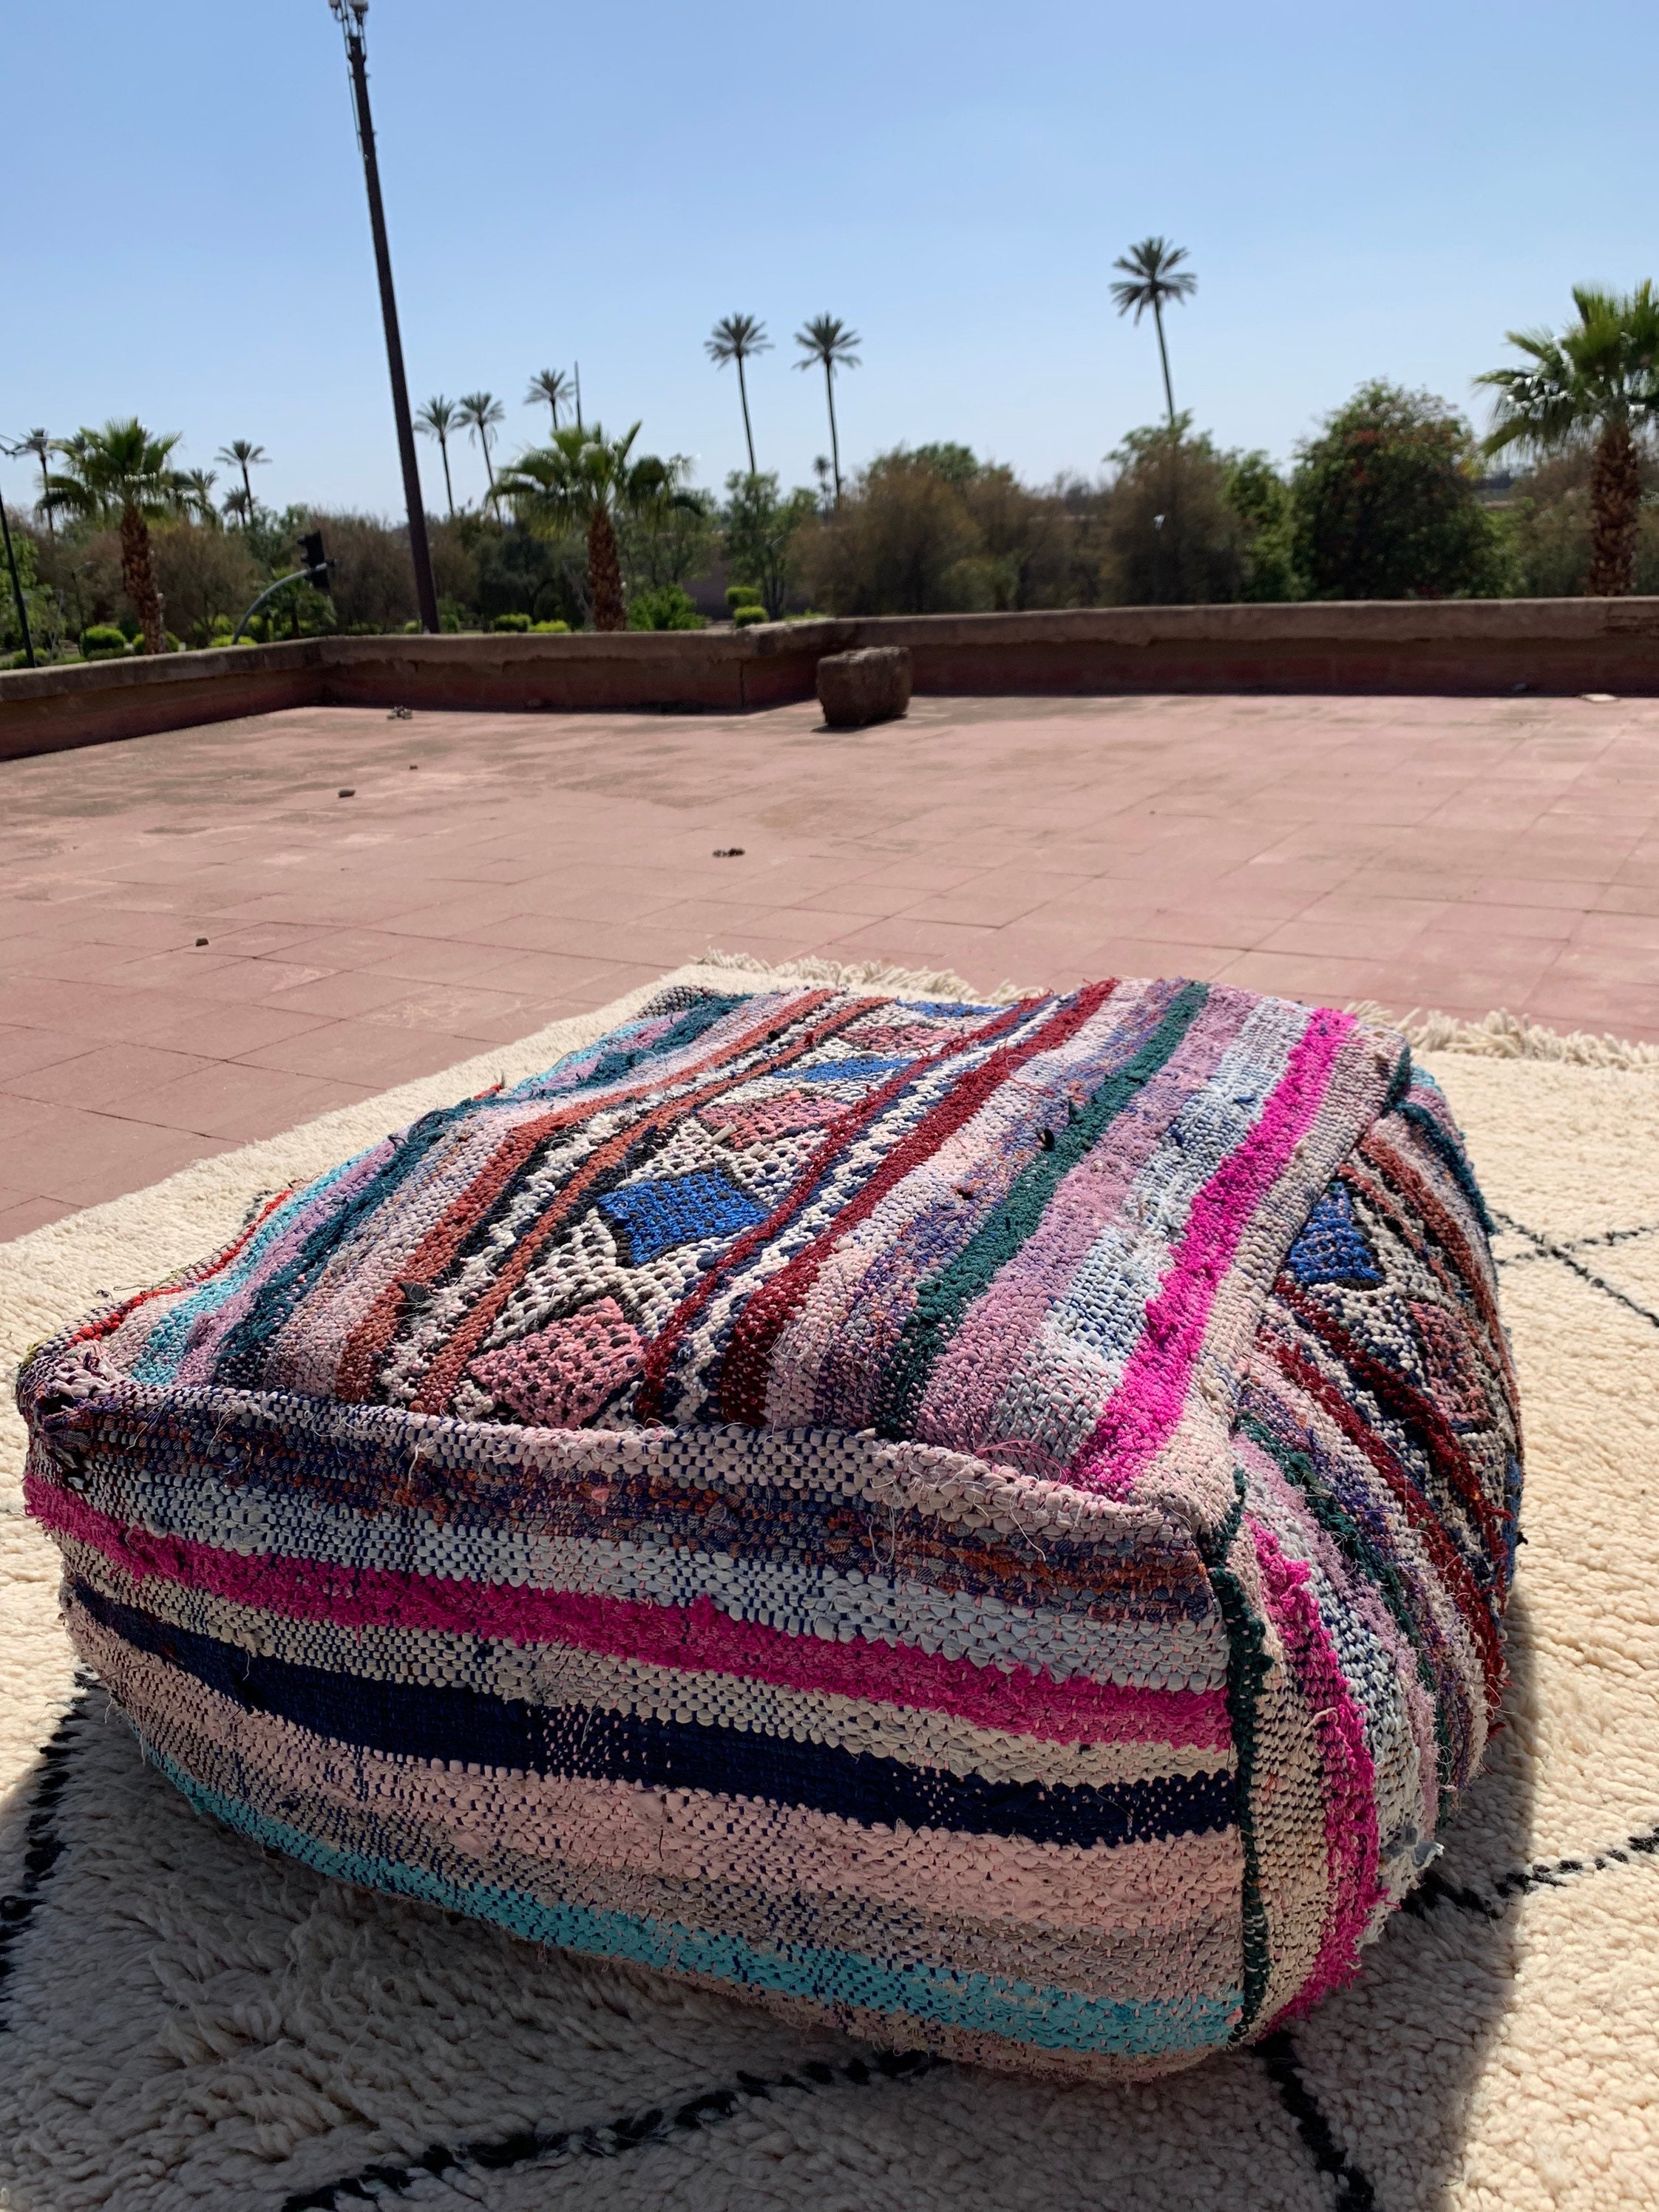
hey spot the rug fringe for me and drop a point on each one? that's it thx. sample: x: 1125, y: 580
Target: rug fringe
x: 1503, y: 1036
x: 869, y: 976
x: 1497, y: 1036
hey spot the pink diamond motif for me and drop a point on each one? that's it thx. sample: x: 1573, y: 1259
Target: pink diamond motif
x: 560, y: 1376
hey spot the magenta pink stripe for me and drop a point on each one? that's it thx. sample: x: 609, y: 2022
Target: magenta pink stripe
x: 1351, y: 1841
x: 1143, y: 1411
x: 974, y: 1398
x: 1264, y: 1472
x: 698, y: 1635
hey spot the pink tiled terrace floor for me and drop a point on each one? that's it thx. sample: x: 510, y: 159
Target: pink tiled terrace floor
x: 492, y: 872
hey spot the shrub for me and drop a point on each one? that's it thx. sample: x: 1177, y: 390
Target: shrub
x: 1261, y: 498
x: 373, y: 580
x: 202, y: 572
x: 551, y: 630
x: 1172, y: 536
x: 1385, y: 503
x: 669, y: 607
x: 101, y: 641
x: 743, y: 595
x: 511, y: 622
x: 903, y: 542
x: 746, y: 618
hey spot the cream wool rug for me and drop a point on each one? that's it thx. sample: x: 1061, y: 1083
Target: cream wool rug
x: 187, y: 2021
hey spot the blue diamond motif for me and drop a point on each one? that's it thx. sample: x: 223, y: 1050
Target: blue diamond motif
x: 654, y: 1217
x: 1331, y: 1248
x: 848, y: 1071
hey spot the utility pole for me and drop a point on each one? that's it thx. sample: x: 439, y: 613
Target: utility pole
x: 16, y: 585
x: 349, y: 14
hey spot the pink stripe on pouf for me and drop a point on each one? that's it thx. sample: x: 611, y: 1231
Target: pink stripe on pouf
x: 1353, y: 1887
x: 1143, y: 1411
x: 1024, y: 1702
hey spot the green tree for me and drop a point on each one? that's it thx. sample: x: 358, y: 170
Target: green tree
x: 1385, y: 505
x: 1153, y: 277
x: 827, y: 344
x: 241, y: 454
x: 1172, y: 536
x: 482, y: 413
x: 37, y: 603
x: 195, y: 496
x: 937, y: 530
x: 957, y: 464
x: 671, y: 535
x: 550, y: 388
x: 584, y: 478
x: 1596, y: 384
x: 441, y: 418
x: 122, y: 472
x: 738, y: 338
x: 206, y: 575
x: 760, y: 528
x: 1261, y: 498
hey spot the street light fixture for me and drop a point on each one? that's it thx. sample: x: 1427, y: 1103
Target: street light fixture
x: 349, y: 14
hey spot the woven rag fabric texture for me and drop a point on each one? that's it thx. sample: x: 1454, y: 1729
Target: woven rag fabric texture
x: 983, y: 1527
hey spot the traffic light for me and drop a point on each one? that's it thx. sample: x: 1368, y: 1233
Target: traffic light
x: 315, y: 561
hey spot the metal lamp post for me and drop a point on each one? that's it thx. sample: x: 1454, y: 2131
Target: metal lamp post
x: 349, y: 14
x: 18, y: 600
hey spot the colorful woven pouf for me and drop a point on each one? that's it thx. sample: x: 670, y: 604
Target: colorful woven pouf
x: 988, y: 1526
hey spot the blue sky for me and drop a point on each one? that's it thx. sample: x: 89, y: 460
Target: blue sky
x: 1362, y: 192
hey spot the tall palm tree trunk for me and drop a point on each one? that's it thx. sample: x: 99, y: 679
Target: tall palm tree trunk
x: 1615, y: 498
x: 834, y: 442
x: 1164, y: 355
x: 449, y: 488
x: 138, y: 577
x: 742, y: 394
x: 247, y: 488
x: 605, y: 574
x: 46, y: 501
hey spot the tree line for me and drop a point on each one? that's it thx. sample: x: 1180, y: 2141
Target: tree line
x: 1392, y: 497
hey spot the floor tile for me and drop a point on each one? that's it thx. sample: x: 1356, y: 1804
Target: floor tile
x: 1462, y: 852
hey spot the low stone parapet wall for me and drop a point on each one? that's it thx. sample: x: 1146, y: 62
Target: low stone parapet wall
x: 1473, y: 647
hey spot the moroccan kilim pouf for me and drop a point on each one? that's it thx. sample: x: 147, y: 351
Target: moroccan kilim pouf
x: 987, y: 1526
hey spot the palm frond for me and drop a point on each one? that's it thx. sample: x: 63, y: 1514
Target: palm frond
x: 1573, y: 384
x: 123, y: 466
x: 437, y: 417
x: 1153, y: 277
x: 736, y: 338
x: 826, y: 342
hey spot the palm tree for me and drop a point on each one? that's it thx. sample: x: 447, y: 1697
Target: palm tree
x: 122, y: 471
x: 827, y: 340
x: 42, y: 447
x: 739, y: 337
x: 549, y: 387
x: 1595, y: 384
x: 196, y: 495
x: 585, y: 479
x: 438, y: 419
x: 238, y: 505
x: 1155, y: 279
x: 482, y: 413
x: 240, y: 454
